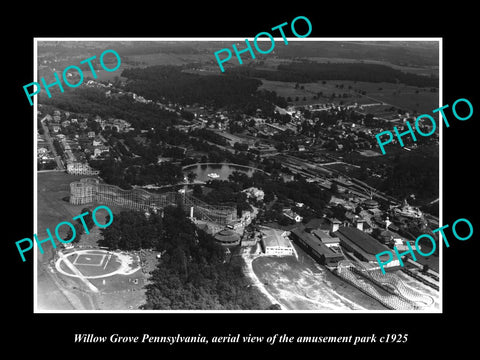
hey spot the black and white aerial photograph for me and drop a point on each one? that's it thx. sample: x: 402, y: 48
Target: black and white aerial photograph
x: 259, y: 188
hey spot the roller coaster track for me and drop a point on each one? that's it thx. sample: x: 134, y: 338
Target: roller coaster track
x: 388, y: 300
x: 142, y: 200
x: 396, y: 286
x: 401, y: 297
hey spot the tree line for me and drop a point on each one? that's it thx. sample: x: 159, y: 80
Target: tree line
x: 169, y: 83
x: 88, y: 100
x: 303, y: 72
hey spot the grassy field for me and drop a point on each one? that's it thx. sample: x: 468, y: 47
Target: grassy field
x: 398, y: 95
x: 53, y: 206
x: 170, y: 58
x: 60, y: 292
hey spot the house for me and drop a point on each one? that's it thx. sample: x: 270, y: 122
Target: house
x: 55, y: 127
x: 91, y: 134
x: 253, y: 192
x: 100, y: 150
x: 289, y: 213
x: 97, y: 141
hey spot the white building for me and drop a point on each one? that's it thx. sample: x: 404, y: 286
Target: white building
x: 289, y: 213
x: 275, y: 242
x: 255, y: 193
x: 78, y: 168
x: 98, y: 150
x: 97, y: 141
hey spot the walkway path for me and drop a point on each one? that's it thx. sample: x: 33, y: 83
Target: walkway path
x: 77, y: 272
x: 251, y: 274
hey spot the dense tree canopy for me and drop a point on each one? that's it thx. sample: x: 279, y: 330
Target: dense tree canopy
x: 413, y: 173
x: 93, y: 101
x: 302, y: 72
x: 193, y: 272
x: 220, y: 91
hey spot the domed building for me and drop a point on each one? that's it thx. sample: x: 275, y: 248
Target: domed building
x: 227, y: 237
x: 370, y: 204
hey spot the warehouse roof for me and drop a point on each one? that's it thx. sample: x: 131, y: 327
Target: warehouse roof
x: 325, y: 237
x: 360, y: 241
x: 315, y: 244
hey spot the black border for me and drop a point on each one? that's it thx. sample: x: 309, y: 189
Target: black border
x: 428, y: 333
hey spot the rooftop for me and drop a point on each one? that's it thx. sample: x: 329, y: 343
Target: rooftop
x: 318, y: 223
x: 227, y: 236
x: 325, y: 237
x: 314, y: 243
x: 274, y: 237
x: 360, y: 241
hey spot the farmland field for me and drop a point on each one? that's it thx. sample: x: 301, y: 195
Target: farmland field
x: 398, y: 95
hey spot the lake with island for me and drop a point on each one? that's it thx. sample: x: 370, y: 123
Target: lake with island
x: 223, y: 170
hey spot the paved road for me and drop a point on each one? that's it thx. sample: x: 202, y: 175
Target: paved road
x: 53, y: 170
x: 49, y: 140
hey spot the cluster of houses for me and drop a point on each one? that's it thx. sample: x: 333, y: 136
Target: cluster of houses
x: 82, y: 142
x: 356, y: 135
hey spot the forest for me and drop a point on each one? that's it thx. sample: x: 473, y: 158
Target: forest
x: 303, y: 72
x: 231, y: 92
x: 413, y: 173
x: 193, y: 272
x: 137, y: 172
x: 88, y: 100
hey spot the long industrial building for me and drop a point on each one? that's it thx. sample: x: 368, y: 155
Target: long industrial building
x: 316, y: 248
x: 362, y: 245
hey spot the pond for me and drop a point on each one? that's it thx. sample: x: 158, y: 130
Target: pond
x: 223, y: 170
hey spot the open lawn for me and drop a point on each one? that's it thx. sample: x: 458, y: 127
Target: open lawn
x: 397, y: 95
x: 57, y: 291
x: 53, y: 206
x: 170, y: 59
